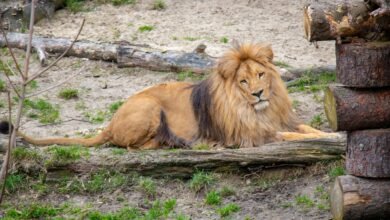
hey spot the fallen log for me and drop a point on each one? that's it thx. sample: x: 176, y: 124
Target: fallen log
x: 359, y: 198
x: 363, y: 64
x: 124, y: 53
x: 368, y: 153
x: 182, y: 163
x: 350, y: 109
x: 341, y: 19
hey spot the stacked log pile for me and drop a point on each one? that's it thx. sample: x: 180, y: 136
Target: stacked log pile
x: 360, y: 102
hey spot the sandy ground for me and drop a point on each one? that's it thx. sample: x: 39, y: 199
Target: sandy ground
x: 181, y: 26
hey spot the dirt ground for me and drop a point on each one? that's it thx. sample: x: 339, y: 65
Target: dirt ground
x: 181, y: 26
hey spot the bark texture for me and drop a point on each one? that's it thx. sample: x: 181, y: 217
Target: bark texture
x: 182, y: 163
x: 356, y: 109
x: 368, y: 153
x: 358, y: 198
x: 363, y: 64
x: 340, y: 19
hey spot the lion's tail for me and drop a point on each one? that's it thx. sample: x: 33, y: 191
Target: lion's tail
x: 88, y: 142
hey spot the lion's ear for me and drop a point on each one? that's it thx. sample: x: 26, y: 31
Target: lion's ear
x: 228, y: 66
x: 267, y: 52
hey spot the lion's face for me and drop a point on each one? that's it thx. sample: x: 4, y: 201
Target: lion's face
x: 254, y: 82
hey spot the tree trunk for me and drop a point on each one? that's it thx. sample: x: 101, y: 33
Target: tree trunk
x: 358, y: 198
x: 368, y: 153
x: 363, y: 64
x: 124, y: 53
x: 353, y: 18
x: 175, y: 61
x: 182, y: 163
x: 349, y: 109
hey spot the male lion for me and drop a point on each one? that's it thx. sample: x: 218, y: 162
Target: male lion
x: 243, y: 103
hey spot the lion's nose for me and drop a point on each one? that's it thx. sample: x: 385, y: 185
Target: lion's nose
x: 258, y: 94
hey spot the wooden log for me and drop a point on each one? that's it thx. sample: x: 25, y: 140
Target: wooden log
x: 368, y: 153
x: 363, y: 64
x: 175, y: 61
x: 341, y: 19
x: 182, y: 163
x: 358, y: 198
x: 357, y: 109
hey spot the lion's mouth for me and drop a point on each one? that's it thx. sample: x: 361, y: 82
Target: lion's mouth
x: 261, y: 104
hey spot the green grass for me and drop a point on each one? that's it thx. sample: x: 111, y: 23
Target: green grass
x: 191, y: 38
x: 336, y: 171
x: 147, y: 186
x: 42, y: 110
x: 75, y: 5
x: 4, y: 67
x: 2, y: 104
x: 311, y: 82
x: 213, y: 198
x: 228, y: 209
x: 2, y: 86
x: 224, y: 40
x: 97, y: 117
x: 317, y: 121
x: 124, y: 213
x: 68, y: 93
x: 145, y: 28
x: 181, y: 76
x: 226, y: 192
x: 118, y: 151
x: 115, y: 106
x: 201, y: 147
x: 159, y: 5
x: 33, y: 211
x: 281, y: 64
x: 21, y: 153
x: 14, y: 182
x: 123, y: 2
x: 33, y: 85
x: 304, y: 201
x: 201, y: 180
x: 68, y: 153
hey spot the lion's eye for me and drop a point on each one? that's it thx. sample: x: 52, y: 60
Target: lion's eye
x: 261, y: 75
x: 243, y: 81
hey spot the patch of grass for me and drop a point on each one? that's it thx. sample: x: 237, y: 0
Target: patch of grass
x: 2, y: 104
x: 336, y: 171
x: 124, y: 213
x: 147, y: 185
x: 160, y: 210
x: 33, y: 211
x: 42, y: 110
x: 123, y: 2
x: 68, y: 153
x: 224, y: 40
x: 287, y: 205
x: 213, y: 198
x: 304, y: 201
x: 115, y: 106
x: 14, y: 182
x: 68, y: 93
x: 2, y: 86
x: 201, y: 180
x: 226, y: 192
x: 317, y: 121
x: 4, y: 67
x: 21, y: 153
x: 145, y: 28
x: 191, y: 38
x: 281, y: 64
x: 311, y: 82
x: 74, y: 5
x: 228, y: 209
x: 33, y: 85
x: 118, y: 151
x: 97, y: 117
x: 201, y: 147
x: 159, y: 5
x: 182, y: 217
x: 189, y: 75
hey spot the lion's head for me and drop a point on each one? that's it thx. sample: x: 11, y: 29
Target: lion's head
x: 248, y: 101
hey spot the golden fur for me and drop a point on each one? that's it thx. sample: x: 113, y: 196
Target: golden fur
x: 244, y: 102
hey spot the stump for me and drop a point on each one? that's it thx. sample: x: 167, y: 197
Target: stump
x: 359, y: 198
x: 368, y: 153
x: 363, y: 64
x: 356, y: 109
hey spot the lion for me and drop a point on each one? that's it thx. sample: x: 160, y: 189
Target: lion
x: 243, y: 103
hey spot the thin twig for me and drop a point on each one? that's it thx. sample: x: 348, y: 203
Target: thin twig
x: 12, y: 53
x: 5, y: 165
x: 12, y: 85
x: 59, y: 58
x: 29, y: 43
x: 54, y: 86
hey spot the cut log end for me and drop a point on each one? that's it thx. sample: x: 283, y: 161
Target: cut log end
x: 330, y: 109
x: 336, y: 201
x: 306, y: 22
